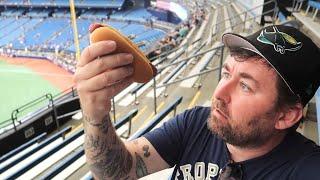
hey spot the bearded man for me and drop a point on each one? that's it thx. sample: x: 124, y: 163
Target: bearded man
x: 249, y: 132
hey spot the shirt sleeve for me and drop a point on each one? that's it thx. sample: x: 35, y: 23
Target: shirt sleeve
x: 168, y: 139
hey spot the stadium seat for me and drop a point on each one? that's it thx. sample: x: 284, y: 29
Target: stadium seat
x: 22, y: 148
x: 50, y: 141
x: 315, y: 5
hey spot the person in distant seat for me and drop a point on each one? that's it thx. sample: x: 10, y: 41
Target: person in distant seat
x: 249, y: 132
x: 282, y: 5
x: 183, y: 31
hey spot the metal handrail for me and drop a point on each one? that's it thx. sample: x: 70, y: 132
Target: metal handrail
x: 189, y: 77
x: 14, y: 114
x: 50, y: 97
x: 190, y: 57
x: 71, y: 89
x: 173, y: 50
x: 221, y: 47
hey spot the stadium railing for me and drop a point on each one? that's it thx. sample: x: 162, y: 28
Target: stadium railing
x: 177, y: 52
x: 200, y: 67
x: 48, y: 97
x: 157, y: 60
x: 162, y: 114
x: 25, y: 123
x: 158, y: 88
x: 217, y: 48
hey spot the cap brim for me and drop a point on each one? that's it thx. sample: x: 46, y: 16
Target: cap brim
x: 232, y: 40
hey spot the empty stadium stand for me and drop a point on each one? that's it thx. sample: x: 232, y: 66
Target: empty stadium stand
x: 63, y: 3
x: 40, y: 160
x: 55, y: 33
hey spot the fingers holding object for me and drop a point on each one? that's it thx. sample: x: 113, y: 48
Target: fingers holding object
x: 96, y: 50
x: 106, y: 79
x: 103, y: 64
x: 98, y: 100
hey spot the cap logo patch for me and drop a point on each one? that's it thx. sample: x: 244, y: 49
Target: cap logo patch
x: 280, y: 41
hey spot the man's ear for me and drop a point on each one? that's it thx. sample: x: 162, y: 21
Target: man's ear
x: 289, y: 117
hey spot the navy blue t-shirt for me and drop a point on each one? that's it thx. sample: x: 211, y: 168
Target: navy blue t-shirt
x: 186, y: 143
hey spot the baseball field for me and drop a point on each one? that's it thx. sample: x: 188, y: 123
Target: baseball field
x: 24, y: 80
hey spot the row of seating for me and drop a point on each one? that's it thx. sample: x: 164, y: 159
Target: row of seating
x: 315, y: 5
x: 137, y: 14
x: 86, y: 3
x: 56, y: 33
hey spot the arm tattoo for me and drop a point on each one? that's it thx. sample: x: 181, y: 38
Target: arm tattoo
x: 146, y: 151
x: 107, y: 155
x: 116, y: 163
x: 103, y: 126
x: 94, y: 145
x: 141, y: 168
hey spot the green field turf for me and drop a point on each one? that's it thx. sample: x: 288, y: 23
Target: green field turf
x: 20, y: 85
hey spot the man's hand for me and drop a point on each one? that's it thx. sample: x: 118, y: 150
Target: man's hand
x: 100, y: 75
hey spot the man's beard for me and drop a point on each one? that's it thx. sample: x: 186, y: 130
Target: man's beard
x: 254, y: 133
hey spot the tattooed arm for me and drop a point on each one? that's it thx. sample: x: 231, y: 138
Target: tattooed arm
x: 106, y: 154
x: 100, y: 75
x: 109, y: 158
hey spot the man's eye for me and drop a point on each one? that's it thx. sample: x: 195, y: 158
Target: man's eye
x: 225, y: 75
x: 245, y: 87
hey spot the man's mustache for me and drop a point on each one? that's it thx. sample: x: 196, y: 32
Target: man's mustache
x: 221, y: 106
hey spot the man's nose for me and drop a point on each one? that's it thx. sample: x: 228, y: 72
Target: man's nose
x: 223, y: 91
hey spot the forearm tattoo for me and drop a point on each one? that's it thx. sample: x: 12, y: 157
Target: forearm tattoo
x: 104, y: 125
x: 141, y: 168
x: 106, y: 153
x: 146, y: 151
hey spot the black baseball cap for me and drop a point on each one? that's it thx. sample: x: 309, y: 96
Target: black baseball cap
x: 294, y: 56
